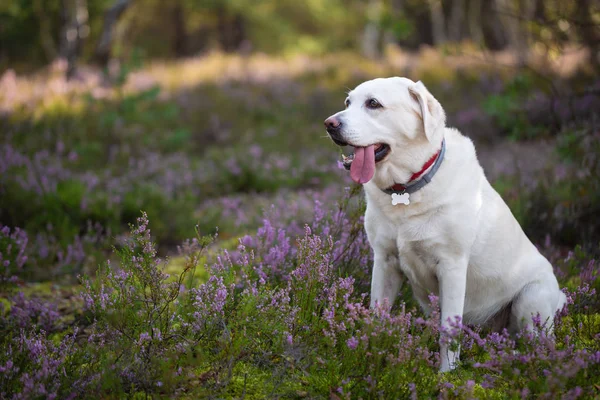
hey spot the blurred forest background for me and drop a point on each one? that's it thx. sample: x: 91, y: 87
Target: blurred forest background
x: 34, y: 33
x: 208, y: 115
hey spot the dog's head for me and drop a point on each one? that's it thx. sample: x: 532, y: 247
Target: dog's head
x: 390, y: 123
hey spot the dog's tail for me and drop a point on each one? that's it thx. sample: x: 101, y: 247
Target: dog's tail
x: 562, y: 300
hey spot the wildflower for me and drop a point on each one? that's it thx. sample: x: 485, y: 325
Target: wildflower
x: 352, y: 343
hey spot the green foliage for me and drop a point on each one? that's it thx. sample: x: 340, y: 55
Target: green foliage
x: 585, y: 286
x: 401, y: 26
x: 564, y: 204
x: 136, y: 311
x: 507, y: 108
x: 31, y: 30
x: 505, y: 186
x: 20, y: 21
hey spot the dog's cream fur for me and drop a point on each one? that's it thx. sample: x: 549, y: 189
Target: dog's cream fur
x: 457, y: 239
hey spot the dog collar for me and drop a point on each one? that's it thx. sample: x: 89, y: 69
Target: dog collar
x: 400, y: 193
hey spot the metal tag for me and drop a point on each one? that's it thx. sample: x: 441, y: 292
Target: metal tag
x: 400, y: 199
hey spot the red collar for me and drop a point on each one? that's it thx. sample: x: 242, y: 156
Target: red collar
x: 399, y: 187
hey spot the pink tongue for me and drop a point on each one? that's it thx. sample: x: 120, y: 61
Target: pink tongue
x: 363, y: 164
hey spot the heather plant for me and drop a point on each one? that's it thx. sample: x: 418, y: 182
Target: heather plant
x: 135, y: 311
x: 507, y: 107
x: 563, y: 202
x: 279, y: 317
x: 342, y: 222
x: 33, y: 365
x: 40, y: 356
x: 526, y: 109
x: 583, y: 287
x: 12, y: 254
x: 535, y: 364
x: 61, y: 184
x: 297, y: 317
x: 251, y: 170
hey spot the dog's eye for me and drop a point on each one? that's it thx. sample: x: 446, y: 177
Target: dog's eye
x: 347, y: 103
x: 373, y: 104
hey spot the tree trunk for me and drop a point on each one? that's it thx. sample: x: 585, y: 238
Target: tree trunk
x: 456, y: 20
x: 494, y: 32
x: 589, y: 32
x: 540, y: 12
x: 46, y: 37
x: 390, y: 35
x: 438, y: 23
x: 524, y: 17
x: 370, y: 40
x: 506, y: 14
x: 180, y: 41
x: 515, y: 19
x: 223, y: 28
x: 475, y: 21
x: 64, y: 26
x: 74, y: 14
x: 111, y: 17
x: 371, y: 33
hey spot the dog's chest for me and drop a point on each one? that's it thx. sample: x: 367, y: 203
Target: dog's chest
x: 419, y: 235
x: 417, y: 241
x: 418, y: 263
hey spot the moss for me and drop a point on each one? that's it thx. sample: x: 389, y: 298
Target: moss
x: 250, y: 381
x: 43, y: 289
x: 176, y: 265
x: 5, y: 304
x: 479, y: 392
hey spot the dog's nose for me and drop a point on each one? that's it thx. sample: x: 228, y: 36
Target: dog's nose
x: 332, y: 123
x: 333, y: 126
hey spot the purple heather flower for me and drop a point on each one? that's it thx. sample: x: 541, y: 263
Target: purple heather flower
x: 352, y: 343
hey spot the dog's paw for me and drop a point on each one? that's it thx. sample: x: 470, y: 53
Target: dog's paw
x: 447, y: 368
x: 449, y: 361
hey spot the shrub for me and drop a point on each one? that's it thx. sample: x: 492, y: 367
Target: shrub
x: 136, y: 311
x: 564, y: 202
x: 12, y: 254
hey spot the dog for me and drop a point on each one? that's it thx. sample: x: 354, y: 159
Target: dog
x: 433, y: 218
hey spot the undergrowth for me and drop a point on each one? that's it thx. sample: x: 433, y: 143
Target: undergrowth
x: 280, y: 317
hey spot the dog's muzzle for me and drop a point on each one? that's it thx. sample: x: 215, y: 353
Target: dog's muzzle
x: 334, y: 129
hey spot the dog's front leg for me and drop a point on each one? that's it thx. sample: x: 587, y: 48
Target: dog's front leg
x: 452, y: 278
x: 386, y: 278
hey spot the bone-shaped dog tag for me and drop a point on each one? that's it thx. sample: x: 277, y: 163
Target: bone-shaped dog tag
x: 400, y: 199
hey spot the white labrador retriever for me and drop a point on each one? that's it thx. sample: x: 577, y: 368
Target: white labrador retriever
x: 433, y: 217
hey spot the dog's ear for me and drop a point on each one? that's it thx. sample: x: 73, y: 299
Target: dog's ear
x: 432, y: 113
